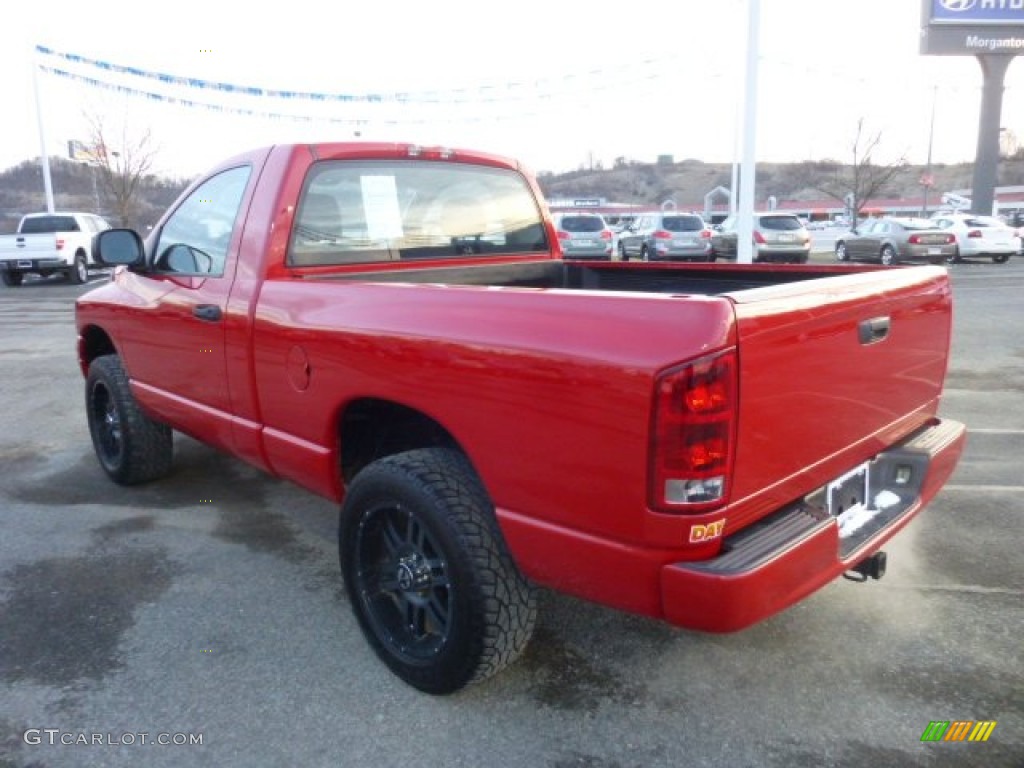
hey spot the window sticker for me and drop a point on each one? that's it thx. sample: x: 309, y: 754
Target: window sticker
x: 380, y: 202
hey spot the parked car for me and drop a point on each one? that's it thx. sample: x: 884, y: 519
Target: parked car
x: 584, y: 236
x: 895, y: 239
x: 667, y: 236
x: 777, y: 237
x: 979, y: 236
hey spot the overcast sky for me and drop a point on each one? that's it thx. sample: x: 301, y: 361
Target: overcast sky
x: 555, y: 84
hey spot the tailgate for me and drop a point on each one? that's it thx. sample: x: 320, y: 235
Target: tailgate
x: 32, y: 246
x: 832, y: 371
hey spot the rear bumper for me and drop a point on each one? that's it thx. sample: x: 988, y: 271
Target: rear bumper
x: 782, y: 254
x: 31, y: 265
x: 771, y: 565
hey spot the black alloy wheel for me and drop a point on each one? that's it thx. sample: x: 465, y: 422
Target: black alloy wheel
x: 430, y: 579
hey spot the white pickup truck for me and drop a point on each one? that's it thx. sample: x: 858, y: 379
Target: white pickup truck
x: 46, y: 243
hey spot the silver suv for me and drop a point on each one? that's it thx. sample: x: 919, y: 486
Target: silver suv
x: 667, y: 236
x: 583, y: 235
x: 777, y: 237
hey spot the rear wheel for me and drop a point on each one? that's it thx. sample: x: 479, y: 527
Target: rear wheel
x: 622, y: 253
x: 79, y: 271
x: 12, y: 279
x: 1000, y: 258
x: 644, y: 255
x: 430, y: 579
x: 841, y: 254
x: 888, y: 255
x: 956, y: 258
x: 130, y: 446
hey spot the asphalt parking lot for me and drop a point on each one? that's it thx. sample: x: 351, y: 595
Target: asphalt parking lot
x: 209, y: 605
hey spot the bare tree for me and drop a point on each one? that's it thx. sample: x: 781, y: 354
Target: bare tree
x: 122, y: 162
x: 857, y: 183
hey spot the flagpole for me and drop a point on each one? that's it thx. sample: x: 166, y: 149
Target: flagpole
x: 44, y: 156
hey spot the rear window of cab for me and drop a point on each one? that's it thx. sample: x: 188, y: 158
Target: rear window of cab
x: 368, y: 211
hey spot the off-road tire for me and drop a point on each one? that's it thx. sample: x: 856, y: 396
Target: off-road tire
x: 429, y: 576
x: 131, y: 447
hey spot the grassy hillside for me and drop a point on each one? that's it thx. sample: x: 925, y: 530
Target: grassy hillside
x: 687, y: 182
x: 22, y: 191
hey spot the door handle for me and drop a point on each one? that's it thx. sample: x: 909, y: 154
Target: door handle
x: 874, y: 330
x: 209, y: 312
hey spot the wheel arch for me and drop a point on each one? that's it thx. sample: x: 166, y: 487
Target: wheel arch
x: 93, y: 342
x: 371, y: 428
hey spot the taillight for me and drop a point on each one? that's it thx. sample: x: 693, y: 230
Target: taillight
x: 914, y: 239
x: 606, y: 234
x: 974, y: 233
x: 563, y: 235
x: 661, y: 234
x: 692, y: 435
x: 60, y: 243
x: 705, y: 233
x: 950, y: 239
x: 759, y: 238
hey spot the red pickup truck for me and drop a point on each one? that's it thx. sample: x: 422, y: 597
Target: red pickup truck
x: 393, y: 327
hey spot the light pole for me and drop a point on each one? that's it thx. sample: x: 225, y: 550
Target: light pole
x: 927, y: 180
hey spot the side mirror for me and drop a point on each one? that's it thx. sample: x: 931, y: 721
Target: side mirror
x: 184, y: 259
x: 118, y: 247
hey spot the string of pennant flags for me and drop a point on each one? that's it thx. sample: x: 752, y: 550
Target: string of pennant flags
x: 192, y: 103
x: 533, y: 89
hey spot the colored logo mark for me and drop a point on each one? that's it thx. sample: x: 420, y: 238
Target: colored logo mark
x: 958, y: 5
x: 958, y: 730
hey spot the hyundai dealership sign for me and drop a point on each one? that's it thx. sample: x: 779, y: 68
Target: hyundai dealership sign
x: 978, y: 11
x: 972, y: 26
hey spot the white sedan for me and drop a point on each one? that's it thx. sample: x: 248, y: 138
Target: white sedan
x: 979, y: 236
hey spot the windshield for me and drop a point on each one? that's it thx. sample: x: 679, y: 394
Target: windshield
x: 916, y: 224
x: 984, y: 221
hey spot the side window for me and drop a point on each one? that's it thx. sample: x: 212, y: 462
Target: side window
x: 195, y: 238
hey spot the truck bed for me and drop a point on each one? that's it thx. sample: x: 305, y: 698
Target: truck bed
x: 865, y: 346
x: 699, y: 279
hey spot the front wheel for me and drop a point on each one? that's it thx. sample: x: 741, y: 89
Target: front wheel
x: 79, y: 271
x: 430, y: 579
x: 130, y: 446
x: 12, y: 279
x: 956, y: 258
